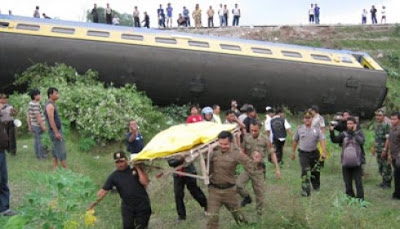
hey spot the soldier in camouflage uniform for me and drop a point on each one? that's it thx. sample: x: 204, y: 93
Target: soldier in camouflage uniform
x: 379, y: 149
x: 255, y: 142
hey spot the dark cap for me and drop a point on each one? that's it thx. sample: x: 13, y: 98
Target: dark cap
x: 307, y: 114
x: 119, y: 156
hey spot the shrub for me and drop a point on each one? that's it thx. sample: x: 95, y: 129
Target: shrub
x: 97, y: 111
x: 59, y: 201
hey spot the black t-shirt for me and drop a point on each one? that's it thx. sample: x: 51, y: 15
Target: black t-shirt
x: 131, y: 191
x: 247, y: 122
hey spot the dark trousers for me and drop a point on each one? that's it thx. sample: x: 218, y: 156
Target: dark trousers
x: 235, y: 21
x: 364, y: 20
x: 279, y: 149
x: 374, y: 21
x: 147, y: 24
x: 4, y: 190
x: 350, y: 174
x: 195, y: 191
x: 187, y: 19
x: 396, y: 174
x: 211, y: 22
x: 95, y: 19
x: 226, y: 19
x: 133, y: 218
x: 310, y: 170
x: 12, y: 141
x: 109, y: 19
x: 136, y: 22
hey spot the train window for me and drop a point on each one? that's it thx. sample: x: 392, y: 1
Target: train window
x: 321, y: 57
x: 262, y: 51
x: 346, y: 59
x: 63, y: 30
x: 200, y: 44
x: 291, y: 54
x: 4, y: 24
x: 166, y: 40
x: 28, y: 27
x: 132, y: 37
x: 94, y: 33
x: 230, y: 47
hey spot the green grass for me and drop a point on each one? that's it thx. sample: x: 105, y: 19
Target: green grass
x: 285, y: 207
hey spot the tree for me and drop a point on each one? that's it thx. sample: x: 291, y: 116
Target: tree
x: 124, y: 19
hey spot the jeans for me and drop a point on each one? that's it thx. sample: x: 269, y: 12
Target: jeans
x: 374, y: 21
x: 4, y: 190
x: 187, y: 19
x: 221, y: 21
x: 317, y: 19
x: 235, y: 21
x: 364, y: 20
x: 39, y: 148
x: 211, y: 22
x: 350, y: 174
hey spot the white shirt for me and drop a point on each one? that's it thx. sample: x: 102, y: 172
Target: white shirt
x: 221, y: 12
x: 217, y: 119
x: 6, y: 113
x: 311, y: 11
x: 242, y: 117
x: 269, y: 128
x: 115, y: 21
x: 318, y: 122
x: 236, y: 12
x: 383, y: 12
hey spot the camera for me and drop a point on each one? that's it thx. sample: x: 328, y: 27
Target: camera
x: 334, y: 123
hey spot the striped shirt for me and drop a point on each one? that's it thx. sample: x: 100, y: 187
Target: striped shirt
x: 33, y: 109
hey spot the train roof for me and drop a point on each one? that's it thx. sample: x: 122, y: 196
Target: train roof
x: 291, y: 47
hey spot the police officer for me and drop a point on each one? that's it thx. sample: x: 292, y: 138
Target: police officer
x: 222, y: 188
x: 255, y: 142
x: 381, y: 144
x: 131, y: 185
x: 307, y: 137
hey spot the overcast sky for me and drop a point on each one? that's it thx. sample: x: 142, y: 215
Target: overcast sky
x: 254, y: 12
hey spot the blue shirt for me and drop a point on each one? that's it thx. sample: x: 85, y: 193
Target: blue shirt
x: 316, y: 10
x: 185, y: 13
x: 169, y: 11
x: 137, y: 145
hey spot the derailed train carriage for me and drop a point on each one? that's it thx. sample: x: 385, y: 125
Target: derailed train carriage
x: 174, y: 67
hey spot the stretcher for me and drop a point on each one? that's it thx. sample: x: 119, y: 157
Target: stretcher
x: 202, y: 149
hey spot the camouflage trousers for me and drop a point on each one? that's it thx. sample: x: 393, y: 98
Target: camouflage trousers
x: 385, y: 168
x: 258, y: 184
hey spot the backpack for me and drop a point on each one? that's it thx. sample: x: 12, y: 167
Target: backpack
x: 351, y: 152
x: 278, y: 128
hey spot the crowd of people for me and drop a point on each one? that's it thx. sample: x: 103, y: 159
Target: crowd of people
x: 258, y: 142
x: 374, y: 12
x: 165, y: 16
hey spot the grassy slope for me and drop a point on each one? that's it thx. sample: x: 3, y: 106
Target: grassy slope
x: 286, y: 209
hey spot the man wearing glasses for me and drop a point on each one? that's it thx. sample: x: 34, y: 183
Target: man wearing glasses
x: 307, y: 138
x: 131, y: 185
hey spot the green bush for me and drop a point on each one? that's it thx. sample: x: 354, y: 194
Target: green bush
x: 59, y: 201
x: 97, y: 111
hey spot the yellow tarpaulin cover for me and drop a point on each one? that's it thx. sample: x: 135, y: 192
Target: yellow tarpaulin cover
x: 180, y: 138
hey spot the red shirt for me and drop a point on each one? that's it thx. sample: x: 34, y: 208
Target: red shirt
x: 194, y: 118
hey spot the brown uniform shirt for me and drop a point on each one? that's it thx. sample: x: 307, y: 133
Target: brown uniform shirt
x: 223, y: 165
x: 251, y: 144
x: 394, y: 141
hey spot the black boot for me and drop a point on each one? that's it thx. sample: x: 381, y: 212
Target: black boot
x: 245, y: 201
